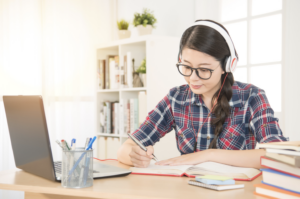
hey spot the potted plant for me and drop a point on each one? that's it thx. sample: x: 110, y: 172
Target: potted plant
x: 144, y: 22
x: 123, y: 29
x: 142, y: 71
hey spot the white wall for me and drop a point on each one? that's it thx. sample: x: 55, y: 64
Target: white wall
x: 291, y: 69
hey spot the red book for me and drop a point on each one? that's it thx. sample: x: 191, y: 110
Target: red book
x: 273, y: 192
x: 205, y: 168
x: 280, y: 166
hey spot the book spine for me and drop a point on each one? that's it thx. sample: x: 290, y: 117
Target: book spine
x: 112, y: 74
x: 121, y: 117
x: 117, y: 117
x: 136, y: 114
x: 129, y: 70
x: 102, y: 118
x: 116, y: 72
x: 131, y: 115
x: 99, y: 80
x: 108, y: 117
x: 103, y: 75
x: 113, y: 130
x: 128, y: 117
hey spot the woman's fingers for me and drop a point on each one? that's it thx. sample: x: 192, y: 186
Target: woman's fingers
x: 139, y: 163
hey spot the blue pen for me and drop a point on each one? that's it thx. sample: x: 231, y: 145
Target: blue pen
x: 91, y: 143
x: 90, y: 140
x: 73, y: 144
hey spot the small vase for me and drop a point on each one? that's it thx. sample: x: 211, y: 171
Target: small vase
x: 123, y: 34
x: 144, y: 30
x: 144, y: 79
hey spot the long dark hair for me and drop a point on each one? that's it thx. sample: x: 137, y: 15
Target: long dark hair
x: 207, y: 40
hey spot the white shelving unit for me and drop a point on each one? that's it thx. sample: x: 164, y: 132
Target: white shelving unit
x: 161, y: 56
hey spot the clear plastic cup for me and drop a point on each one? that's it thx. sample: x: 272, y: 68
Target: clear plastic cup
x: 77, y: 168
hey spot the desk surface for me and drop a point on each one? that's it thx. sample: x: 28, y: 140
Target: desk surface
x: 131, y: 186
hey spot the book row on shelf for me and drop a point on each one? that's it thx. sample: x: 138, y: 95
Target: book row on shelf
x: 281, y: 177
x: 124, y: 116
x: 111, y: 74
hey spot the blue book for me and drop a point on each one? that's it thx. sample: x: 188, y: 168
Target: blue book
x: 215, y: 182
x: 281, y: 180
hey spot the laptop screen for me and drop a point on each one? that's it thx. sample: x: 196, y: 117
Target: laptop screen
x: 29, y: 134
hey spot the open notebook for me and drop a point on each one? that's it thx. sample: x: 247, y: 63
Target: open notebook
x: 206, y: 168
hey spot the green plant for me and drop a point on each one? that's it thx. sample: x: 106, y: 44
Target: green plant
x: 122, y: 24
x: 142, y: 68
x: 145, y: 18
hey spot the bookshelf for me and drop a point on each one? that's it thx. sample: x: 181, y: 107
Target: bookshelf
x: 161, y: 56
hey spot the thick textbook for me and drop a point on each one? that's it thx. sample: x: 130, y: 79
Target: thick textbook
x: 292, y: 145
x: 281, y: 180
x: 279, y: 166
x: 288, y: 159
x: 206, y: 168
x: 273, y: 192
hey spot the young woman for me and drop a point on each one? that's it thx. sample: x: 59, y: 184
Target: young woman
x: 214, y: 117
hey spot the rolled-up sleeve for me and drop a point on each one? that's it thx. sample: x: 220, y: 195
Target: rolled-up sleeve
x: 262, y: 121
x: 158, y: 122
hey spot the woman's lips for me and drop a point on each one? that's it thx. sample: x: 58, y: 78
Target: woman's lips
x: 196, y: 86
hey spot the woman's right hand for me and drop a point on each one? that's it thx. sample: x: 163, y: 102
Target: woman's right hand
x: 141, y: 158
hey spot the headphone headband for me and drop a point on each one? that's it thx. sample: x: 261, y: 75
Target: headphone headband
x: 232, y: 61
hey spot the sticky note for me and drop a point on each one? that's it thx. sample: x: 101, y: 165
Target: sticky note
x: 216, y: 182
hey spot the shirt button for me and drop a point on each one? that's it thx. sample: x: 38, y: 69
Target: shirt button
x: 265, y: 125
x: 181, y: 135
x: 208, y: 137
x: 146, y: 123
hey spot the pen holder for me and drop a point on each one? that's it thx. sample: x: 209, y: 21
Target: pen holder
x: 77, y: 168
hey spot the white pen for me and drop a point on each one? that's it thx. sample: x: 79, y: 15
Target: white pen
x: 59, y: 144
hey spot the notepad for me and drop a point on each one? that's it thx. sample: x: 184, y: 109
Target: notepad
x: 206, y: 168
x: 216, y: 187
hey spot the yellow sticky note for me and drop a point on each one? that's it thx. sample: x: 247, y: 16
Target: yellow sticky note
x: 213, y: 177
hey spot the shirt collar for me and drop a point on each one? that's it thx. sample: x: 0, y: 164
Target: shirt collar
x: 192, y: 98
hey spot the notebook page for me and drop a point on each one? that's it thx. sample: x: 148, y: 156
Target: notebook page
x: 226, y: 169
x: 152, y: 166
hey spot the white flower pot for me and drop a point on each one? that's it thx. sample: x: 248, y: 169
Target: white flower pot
x: 123, y: 34
x: 144, y: 30
x: 144, y: 79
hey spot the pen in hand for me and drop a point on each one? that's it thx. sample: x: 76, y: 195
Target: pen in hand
x: 141, y: 146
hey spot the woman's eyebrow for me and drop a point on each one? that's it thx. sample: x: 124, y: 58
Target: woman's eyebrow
x: 198, y: 64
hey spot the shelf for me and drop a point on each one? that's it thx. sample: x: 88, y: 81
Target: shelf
x: 108, y: 90
x: 111, y: 135
x: 134, y: 89
x: 122, y: 89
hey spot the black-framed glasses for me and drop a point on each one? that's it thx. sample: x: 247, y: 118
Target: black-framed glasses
x: 202, y: 73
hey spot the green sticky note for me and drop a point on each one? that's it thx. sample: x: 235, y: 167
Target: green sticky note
x: 213, y: 177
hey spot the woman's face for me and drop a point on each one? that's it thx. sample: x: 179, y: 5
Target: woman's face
x: 196, y: 59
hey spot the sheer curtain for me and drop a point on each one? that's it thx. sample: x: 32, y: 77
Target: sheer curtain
x: 47, y: 47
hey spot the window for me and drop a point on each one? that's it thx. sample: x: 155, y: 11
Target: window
x: 255, y: 27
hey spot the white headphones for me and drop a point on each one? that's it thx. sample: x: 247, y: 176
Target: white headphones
x: 232, y: 60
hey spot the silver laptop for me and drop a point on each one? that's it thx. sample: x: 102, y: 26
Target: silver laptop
x: 30, y: 140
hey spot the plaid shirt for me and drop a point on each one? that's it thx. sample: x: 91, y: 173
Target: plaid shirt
x: 251, y: 120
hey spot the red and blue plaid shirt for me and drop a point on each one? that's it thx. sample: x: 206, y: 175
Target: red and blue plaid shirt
x: 251, y: 120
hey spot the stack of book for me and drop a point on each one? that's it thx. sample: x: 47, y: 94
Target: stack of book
x: 115, y: 72
x: 281, y: 177
x: 124, y: 116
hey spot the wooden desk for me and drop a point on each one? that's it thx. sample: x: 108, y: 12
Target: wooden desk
x: 129, y: 187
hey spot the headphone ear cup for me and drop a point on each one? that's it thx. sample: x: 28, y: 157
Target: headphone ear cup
x: 227, y: 64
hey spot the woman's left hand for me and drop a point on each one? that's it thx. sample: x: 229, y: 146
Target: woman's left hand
x: 191, y: 159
